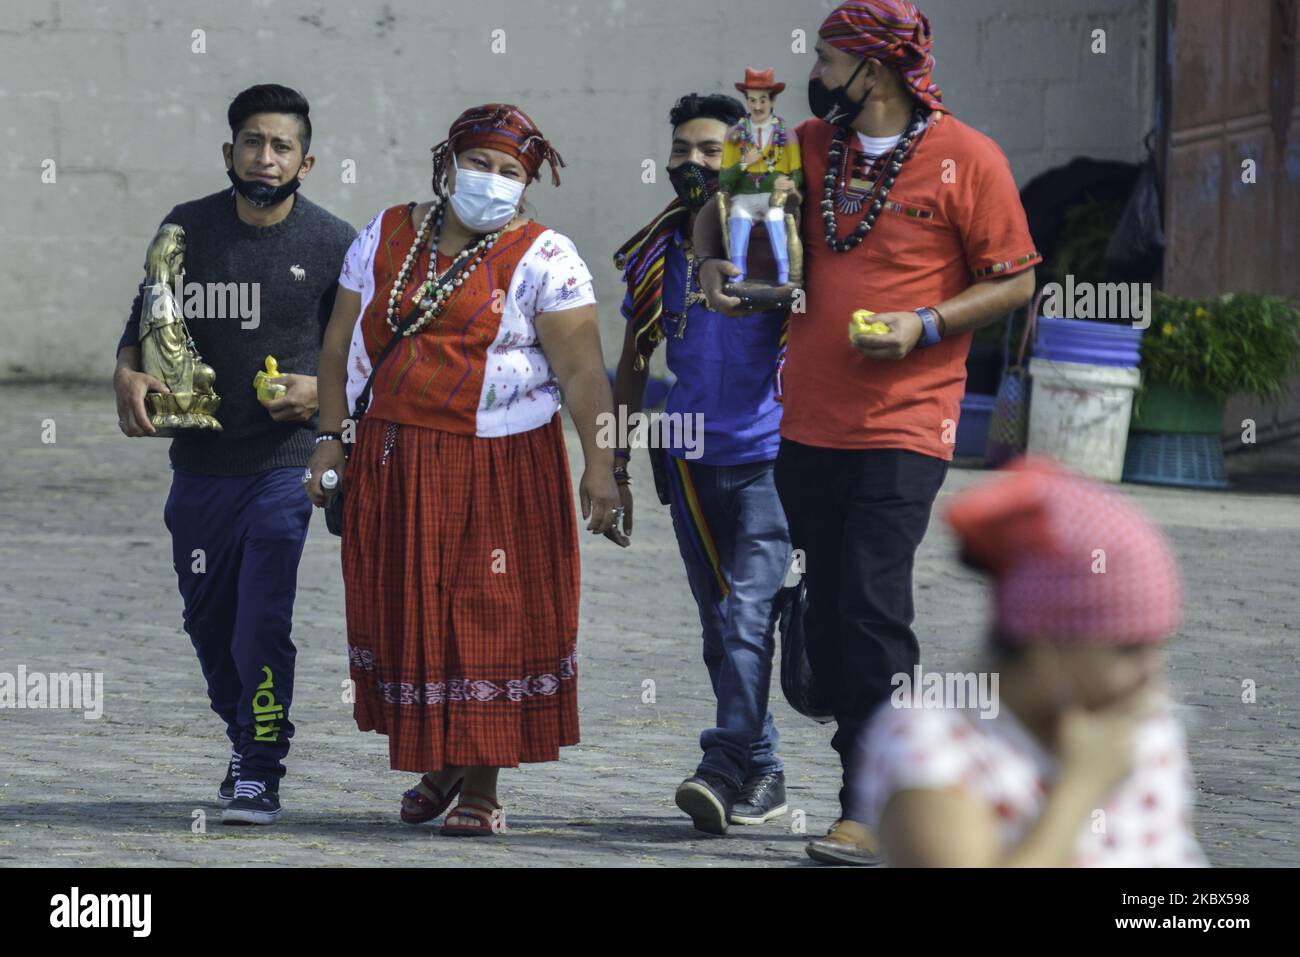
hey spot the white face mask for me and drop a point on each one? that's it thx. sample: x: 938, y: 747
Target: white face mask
x: 485, y: 201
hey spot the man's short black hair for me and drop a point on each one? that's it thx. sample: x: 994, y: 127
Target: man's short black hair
x: 715, y: 106
x: 270, y: 98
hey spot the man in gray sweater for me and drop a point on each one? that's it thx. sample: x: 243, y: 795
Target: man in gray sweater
x: 237, y: 511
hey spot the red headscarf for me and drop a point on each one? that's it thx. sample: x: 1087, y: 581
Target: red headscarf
x: 498, y: 126
x: 1071, y: 560
x: 894, y: 32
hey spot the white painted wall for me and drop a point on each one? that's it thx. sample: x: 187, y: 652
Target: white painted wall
x: 134, y: 120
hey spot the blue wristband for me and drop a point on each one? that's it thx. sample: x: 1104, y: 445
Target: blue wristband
x: 930, y: 328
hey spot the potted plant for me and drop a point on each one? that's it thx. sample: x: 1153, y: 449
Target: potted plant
x: 1196, y: 354
x: 1199, y: 352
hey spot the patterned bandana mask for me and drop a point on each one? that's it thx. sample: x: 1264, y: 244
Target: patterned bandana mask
x: 694, y: 183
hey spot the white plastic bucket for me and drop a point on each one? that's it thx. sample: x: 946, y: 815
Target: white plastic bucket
x: 1079, y: 415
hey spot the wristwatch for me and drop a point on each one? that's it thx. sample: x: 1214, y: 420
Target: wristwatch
x: 930, y: 334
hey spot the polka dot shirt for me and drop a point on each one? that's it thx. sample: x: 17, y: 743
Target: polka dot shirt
x: 1146, y: 821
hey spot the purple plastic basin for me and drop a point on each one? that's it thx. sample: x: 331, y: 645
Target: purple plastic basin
x: 1086, y: 341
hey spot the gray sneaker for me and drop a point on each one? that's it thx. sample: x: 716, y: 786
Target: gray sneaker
x: 761, y: 799
x: 707, y: 798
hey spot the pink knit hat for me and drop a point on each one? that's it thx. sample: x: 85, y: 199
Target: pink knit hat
x: 1071, y: 560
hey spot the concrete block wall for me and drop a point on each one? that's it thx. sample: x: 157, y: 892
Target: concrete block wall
x: 133, y: 119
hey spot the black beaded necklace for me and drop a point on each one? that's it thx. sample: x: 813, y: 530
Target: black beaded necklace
x: 883, y: 183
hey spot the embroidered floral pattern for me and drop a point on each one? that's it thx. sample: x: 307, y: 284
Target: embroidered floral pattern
x: 466, y: 689
x: 913, y: 211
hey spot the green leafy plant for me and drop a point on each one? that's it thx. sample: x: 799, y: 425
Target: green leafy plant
x: 1240, y: 342
x: 1081, y: 250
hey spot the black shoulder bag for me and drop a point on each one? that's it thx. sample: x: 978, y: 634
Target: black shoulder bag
x: 334, y: 506
x: 798, y: 682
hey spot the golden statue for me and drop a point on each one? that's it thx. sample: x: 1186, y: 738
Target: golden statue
x: 166, y: 350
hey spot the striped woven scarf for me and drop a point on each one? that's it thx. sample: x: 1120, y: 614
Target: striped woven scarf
x: 641, y: 259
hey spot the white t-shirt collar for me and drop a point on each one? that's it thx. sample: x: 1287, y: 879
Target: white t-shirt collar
x: 874, y: 146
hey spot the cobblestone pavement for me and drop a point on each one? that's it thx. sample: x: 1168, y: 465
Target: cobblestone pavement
x: 87, y: 585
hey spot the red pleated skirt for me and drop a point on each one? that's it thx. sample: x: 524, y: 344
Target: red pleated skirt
x: 461, y: 573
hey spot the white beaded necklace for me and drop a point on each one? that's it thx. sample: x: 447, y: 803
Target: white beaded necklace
x: 433, y: 292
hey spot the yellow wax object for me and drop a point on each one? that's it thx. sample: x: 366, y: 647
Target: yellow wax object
x: 269, y: 391
x: 861, y: 327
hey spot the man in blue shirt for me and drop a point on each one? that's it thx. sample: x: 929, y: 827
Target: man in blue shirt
x: 730, y: 527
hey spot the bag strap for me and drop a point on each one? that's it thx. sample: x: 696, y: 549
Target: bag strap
x: 1006, y: 341
x: 1031, y: 322
x: 363, y: 399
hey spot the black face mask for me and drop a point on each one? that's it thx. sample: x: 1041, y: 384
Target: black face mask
x: 836, y: 106
x: 263, y: 194
x: 695, y: 184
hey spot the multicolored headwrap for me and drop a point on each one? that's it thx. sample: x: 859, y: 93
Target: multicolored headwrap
x: 641, y: 259
x: 894, y: 32
x: 1072, y: 561
x: 497, y: 126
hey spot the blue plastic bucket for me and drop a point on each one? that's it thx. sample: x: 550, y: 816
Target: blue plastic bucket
x: 1087, y: 342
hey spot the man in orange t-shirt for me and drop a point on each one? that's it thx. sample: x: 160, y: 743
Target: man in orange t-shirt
x: 915, y: 216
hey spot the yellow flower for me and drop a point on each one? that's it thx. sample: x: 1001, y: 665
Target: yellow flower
x: 1200, y: 312
x: 1168, y: 328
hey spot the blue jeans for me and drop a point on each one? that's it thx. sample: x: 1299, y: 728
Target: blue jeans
x: 752, y: 544
x: 236, y: 543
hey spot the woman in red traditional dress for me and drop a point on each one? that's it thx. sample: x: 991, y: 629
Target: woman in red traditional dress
x: 460, y: 550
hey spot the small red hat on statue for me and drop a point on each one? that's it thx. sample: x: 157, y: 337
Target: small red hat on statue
x: 760, y: 80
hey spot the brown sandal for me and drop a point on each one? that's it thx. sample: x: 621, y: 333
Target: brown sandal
x: 485, y: 822
x: 426, y: 809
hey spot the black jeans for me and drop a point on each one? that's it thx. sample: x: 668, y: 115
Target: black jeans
x: 857, y: 516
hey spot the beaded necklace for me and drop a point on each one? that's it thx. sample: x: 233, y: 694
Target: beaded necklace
x: 692, y: 293
x: 849, y: 198
x: 835, y: 170
x: 435, y: 292
x: 744, y: 136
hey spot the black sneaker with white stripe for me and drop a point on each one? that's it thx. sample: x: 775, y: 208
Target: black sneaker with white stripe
x: 761, y: 798
x: 226, y: 790
x: 254, y: 803
x: 707, y: 798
